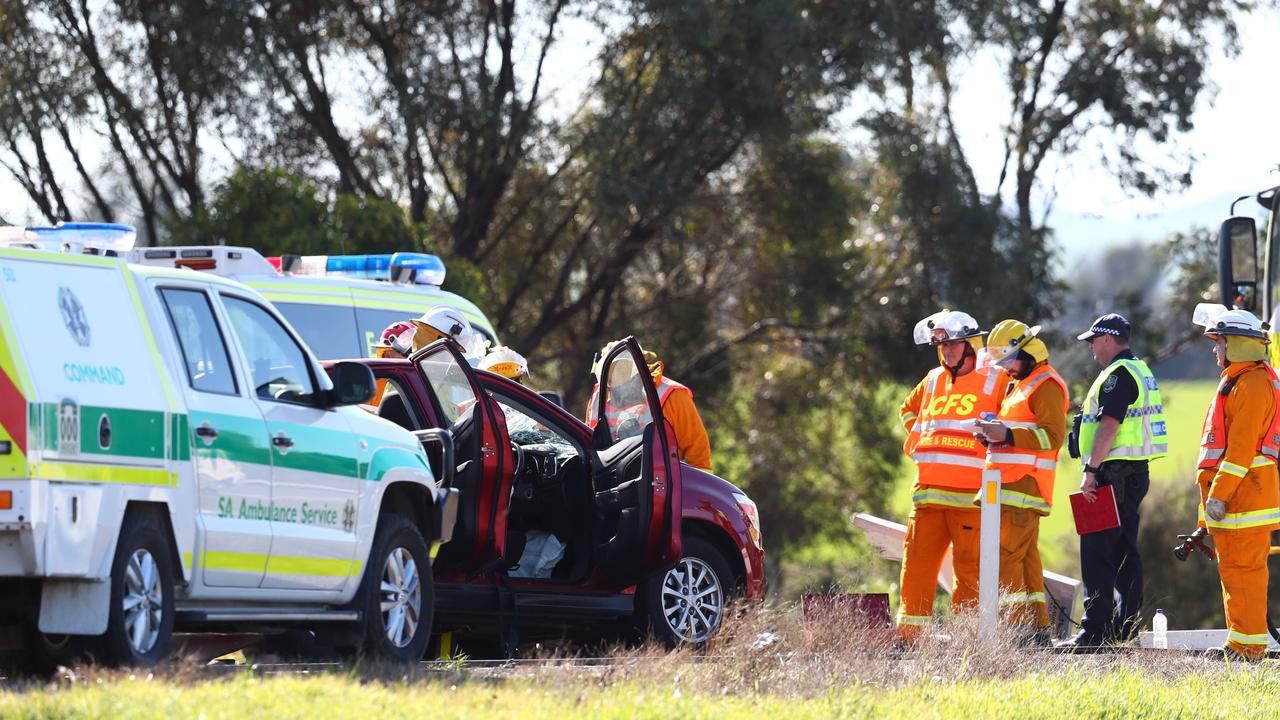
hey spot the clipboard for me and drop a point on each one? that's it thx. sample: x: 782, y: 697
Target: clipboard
x: 1101, y: 514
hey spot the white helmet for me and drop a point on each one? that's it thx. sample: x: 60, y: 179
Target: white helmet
x: 1218, y: 320
x: 449, y: 322
x: 945, y: 326
x: 505, y: 362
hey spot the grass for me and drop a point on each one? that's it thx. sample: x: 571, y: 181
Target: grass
x: 768, y: 664
x: 1128, y: 694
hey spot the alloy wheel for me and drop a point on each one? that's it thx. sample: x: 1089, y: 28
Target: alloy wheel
x: 143, y: 602
x: 692, y: 600
x: 401, y: 591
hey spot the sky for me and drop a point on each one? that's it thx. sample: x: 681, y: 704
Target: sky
x: 1236, y: 139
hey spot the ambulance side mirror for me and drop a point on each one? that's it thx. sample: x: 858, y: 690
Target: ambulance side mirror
x: 1238, y: 263
x: 353, y: 384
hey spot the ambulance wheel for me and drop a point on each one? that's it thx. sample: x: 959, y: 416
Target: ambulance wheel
x: 688, y: 602
x: 140, y: 622
x: 397, y: 596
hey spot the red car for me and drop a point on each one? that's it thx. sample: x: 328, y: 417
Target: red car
x: 562, y: 528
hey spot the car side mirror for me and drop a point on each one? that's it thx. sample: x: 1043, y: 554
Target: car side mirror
x: 1238, y: 263
x: 353, y: 384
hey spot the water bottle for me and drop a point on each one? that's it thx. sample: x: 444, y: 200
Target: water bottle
x: 1160, y: 631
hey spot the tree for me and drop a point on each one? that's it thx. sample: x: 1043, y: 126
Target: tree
x: 1085, y: 70
x: 146, y: 79
x: 279, y: 213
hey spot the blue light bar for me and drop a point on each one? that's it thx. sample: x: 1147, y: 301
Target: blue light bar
x: 102, y: 236
x: 371, y: 267
x: 426, y: 269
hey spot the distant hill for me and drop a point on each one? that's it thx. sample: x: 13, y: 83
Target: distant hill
x: 1079, y: 235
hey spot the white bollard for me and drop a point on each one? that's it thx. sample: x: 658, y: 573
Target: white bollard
x: 989, y: 557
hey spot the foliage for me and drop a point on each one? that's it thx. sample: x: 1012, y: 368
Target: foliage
x: 694, y: 191
x: 280, y: 213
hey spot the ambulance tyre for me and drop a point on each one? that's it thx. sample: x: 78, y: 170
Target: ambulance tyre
x: 397, y: 597
x: 140, y: 621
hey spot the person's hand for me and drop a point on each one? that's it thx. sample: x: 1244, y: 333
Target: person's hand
x: 1215, y: 509
x: 1089, y: 486
x: 993, y: 430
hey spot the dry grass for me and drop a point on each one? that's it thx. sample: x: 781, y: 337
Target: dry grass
x: 768, y: 662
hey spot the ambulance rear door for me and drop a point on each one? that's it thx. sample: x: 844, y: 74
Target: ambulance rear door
x: 99, y: 400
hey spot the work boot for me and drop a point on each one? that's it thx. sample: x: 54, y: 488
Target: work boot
x: 1084, y: 642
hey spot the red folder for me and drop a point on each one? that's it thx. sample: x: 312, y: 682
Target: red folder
x: 1101, y: 514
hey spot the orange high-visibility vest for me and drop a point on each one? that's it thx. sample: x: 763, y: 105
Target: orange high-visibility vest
x: 1015, y: 463
x: 1213, y: 442
x: 941, y: 441
x: 616, y: 415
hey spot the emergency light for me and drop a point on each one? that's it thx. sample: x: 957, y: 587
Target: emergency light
x: 401, y: 267
x: 89, y: 238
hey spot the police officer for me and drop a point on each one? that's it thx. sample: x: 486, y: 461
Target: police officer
x: 1121, y: 429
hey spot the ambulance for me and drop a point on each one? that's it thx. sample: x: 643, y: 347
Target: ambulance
x: 174, y: 459
x: 339, y: 304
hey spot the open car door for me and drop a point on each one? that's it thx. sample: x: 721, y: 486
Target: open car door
x: 482, y: 452
x: 640, y: 460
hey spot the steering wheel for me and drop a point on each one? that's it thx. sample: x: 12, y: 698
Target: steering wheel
x: 520, y: 460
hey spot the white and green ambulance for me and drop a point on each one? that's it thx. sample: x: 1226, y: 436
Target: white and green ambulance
x: 173, y: 458
x: 339, y: 304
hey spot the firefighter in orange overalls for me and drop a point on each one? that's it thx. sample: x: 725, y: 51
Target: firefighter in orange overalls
x: 626, y: 408
x: 1024, y: 441
x: 1239, y: 487
x: 939, y: 417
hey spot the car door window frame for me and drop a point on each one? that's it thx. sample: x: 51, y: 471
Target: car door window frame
x: 318, y: 387
x: 602, y: 437
x: 477, y: 390
x: 223, y: 336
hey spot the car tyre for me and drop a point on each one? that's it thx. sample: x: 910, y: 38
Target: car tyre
x: 688, y: 602
x: 140, y: 620
x: 397, y: 597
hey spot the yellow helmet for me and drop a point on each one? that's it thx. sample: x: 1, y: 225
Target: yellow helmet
x: 505, y: 362
x: 1009, y: 336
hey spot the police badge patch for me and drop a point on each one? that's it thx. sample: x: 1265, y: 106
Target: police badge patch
x: 1110, y: 384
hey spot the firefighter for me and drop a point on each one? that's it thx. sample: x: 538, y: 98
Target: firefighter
x: 1122, y: 428
x: 938, y: 416
x: 396, y: 342
x: 1239, y: 488
x: 443, y: 321
x: 624, y: 408
x: 506, y: 362
x: 1023, y: 445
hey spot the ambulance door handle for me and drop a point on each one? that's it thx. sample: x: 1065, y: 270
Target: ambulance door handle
x: 282, y: 441
x: 206, y: 431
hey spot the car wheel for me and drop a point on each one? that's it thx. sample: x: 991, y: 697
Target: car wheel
x: 687, y: 603
x: 397, y: 595
x: 140, y: 620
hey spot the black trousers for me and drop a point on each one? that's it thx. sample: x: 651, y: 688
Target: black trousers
x: 1109, y: 560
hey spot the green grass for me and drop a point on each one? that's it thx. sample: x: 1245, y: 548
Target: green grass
x: 1124, y: 693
